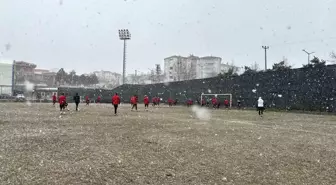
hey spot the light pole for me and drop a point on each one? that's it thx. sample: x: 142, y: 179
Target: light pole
x: 308, y: 54
x: 124, y: 35
x: 265, y: 48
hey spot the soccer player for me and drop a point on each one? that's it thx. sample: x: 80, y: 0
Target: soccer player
x: 98, y: 99
x: 154, y: 101
x: 214, y: 102
x: 158, y: 99
x: 170, y: 102
x: 146, y: 102
x: 239, y: 104
x: 226, y: 103
x: 134, y: 102
x: 62, y: 102
x: 77, y: 100
x: 115, y: 102
x: 261, y: 107
x: 87, y: 100
x: 203, y: 103
x: 54, y: 98
x: 189, y: 102
x: 175, y: 102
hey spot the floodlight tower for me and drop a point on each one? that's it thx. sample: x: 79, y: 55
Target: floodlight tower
x: 124, y: 35
x: 265, y: 48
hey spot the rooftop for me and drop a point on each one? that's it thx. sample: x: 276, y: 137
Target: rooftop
x: 6, y: 61
x: 22, y: 63
x: 211, y: 57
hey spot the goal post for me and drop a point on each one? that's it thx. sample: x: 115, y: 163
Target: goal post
x: 216, y: 95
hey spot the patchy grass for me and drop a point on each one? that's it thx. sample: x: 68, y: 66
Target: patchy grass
x: 163, y: 146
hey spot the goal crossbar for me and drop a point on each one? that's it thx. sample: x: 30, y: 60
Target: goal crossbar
x: 218, y: 95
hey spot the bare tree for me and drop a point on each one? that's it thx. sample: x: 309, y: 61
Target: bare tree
x: 255, y: 66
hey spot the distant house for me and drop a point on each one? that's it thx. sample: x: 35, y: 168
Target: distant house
x: 108, y: 78
x: 179, y: 68
x: 6, y: 77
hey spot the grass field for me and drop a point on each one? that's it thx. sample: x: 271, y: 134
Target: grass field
x: 163, y: 146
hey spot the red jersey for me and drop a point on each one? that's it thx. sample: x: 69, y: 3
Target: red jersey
x: 98, y: 99
x: 133, y: 100
x: 226, y: 102
x: 86, y: 98
x: 115, y: 100
x: 62, y: 99
x: 214, y: 101
x: 146, y: 100
x: 54, y: 97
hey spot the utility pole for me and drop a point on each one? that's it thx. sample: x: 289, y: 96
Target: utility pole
x: 308, y: 54
x: 265, y: 48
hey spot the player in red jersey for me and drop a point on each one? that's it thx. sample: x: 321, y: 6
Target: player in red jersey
x: 154, y: 101
x: 98, y: 99
x: 203, y: 103
x: 54, y: 99
x: 170, y: 102
x: 226, y: 103
x: 214, y: 102
x: 115, y: 102
x: 189, y: 102
x: 146, y: 102
x: 134, y: 102
x: 62, y: 102
x: 87, y: 100
x: 158, y: 100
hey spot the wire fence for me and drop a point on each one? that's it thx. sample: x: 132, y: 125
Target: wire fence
x: 309, y: 89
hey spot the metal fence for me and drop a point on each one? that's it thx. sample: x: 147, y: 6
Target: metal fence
x: 311, y: 89
x: 92, y: 93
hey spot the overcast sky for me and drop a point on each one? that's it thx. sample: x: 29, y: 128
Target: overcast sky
x: 83, y: 34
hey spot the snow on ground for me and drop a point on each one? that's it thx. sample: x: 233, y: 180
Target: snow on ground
x: 163, y: 146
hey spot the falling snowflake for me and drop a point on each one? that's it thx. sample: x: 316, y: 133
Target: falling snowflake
x: 8, y: 46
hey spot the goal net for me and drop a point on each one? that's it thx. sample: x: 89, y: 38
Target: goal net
x: 220, y: 98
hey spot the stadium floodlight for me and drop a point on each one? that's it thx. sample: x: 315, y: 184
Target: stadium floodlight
x: 265, y: 48
x: 124, y: 35
x: 230, y: 96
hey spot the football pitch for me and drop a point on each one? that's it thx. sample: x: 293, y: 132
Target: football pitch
x: 163, y: 146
